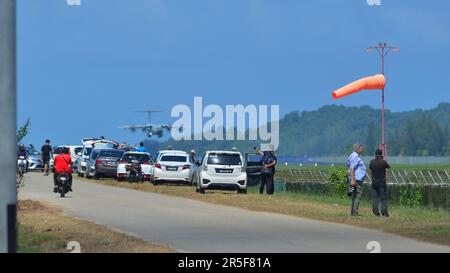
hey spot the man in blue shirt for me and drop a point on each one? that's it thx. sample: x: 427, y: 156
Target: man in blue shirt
x: 356, y: 175
x: 141, y: 147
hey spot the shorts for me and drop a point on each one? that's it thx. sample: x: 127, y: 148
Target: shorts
x: 45, y: 161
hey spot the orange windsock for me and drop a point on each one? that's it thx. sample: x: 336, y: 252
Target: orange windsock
x: 373, y: 82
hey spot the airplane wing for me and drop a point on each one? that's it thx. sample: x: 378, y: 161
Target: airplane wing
x: 134, y: 128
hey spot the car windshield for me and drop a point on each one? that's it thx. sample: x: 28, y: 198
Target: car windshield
x: 139, y: 157
x: 224, y: 159
x: 173, y: 158
x: 87, y: 151
x: 101, y: 145
x: 111, y: 153
x: 254, y: 160
x: 32, y: 151
x: 57, y: 150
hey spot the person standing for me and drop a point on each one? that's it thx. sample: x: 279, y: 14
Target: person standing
x: 378, y: 167
x: 46, y: 154
x: 268, y: 160
x: 141, y: 147
x: 192, y: 156
x: 356, y: 175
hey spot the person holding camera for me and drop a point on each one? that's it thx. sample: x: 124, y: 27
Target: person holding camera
x: 356, y: 175
x: 268, y: 160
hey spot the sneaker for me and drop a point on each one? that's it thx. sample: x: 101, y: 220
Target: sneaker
x: 385, y: 214
x: 376, y: 213
x: 55, y: 189
x: 355, y: 213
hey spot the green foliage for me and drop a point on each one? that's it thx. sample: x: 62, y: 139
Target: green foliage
x: 411, y: 196
x: 23, y: 130
x: 338, y: 182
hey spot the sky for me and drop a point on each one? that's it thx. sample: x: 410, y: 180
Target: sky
x: 83, y: 70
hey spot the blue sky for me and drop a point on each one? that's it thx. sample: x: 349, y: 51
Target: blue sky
x: 82, y: 70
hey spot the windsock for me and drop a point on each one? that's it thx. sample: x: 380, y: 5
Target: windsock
x: 373, y: 82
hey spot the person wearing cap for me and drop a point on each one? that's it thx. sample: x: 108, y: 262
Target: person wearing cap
x: 378, y: 167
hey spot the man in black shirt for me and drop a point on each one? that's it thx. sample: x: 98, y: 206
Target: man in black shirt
x: 378, y: 167
x: 46, y: 153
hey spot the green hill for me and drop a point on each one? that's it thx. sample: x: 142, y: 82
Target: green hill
x: 332, y: 129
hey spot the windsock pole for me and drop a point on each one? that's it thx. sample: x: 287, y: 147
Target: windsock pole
x: 383, y: 49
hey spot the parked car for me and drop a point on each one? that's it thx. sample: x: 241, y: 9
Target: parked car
x: 88, y: 144
x: 103, y: 163
x: 173, y: 166
x: 34, y: 160
x: 224, y: 170
x: 144, y: 159
x: 74, y: 150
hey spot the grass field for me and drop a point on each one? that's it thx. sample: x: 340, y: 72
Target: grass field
x: 342, y: 166
x: 44, y: 229
x: 422, y: 224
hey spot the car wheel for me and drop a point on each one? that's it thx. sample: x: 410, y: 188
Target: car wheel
x: 155, y: 183
x: 244, y: 191
x: 202, y: 191
x: 81, y: 174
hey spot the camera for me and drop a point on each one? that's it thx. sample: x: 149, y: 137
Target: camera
x: 350, y: 191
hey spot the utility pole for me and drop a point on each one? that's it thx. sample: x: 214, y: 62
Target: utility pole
x: 383, y: 49
x: 8, y: 160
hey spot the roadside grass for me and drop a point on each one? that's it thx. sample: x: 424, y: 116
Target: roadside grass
x: 44, y: 229
x: 419, y: 223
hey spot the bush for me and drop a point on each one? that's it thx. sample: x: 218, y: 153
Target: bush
x: 338, y: 182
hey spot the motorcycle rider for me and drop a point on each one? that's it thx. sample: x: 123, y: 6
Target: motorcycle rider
x: 63, y: 164
x: 21, y: 151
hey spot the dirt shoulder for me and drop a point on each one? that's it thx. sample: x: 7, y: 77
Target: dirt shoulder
x: 44, y: 228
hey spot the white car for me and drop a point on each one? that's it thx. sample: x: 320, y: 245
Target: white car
x: 143, y: 158
x: 74, y: 151
x: 173, y: 166
x: 88, y: 144
x: 224, y: 170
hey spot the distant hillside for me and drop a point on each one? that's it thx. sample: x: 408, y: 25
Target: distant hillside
x: 332, y: 129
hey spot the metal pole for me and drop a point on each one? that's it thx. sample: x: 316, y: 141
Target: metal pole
x: 382, y: 107
x: 8, y: 161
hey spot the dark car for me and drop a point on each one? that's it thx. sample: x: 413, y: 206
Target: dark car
x: 103, y: 163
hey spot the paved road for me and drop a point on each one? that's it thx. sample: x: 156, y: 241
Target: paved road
x: 192, y: 226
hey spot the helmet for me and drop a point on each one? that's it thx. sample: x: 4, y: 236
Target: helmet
x: 21, y: 146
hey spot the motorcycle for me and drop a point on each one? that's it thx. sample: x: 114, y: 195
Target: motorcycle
x: 63, y: 183
x: 134, y: 172
x: 21, y: 165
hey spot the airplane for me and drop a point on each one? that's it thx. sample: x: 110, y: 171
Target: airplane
x: 150, y: 129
